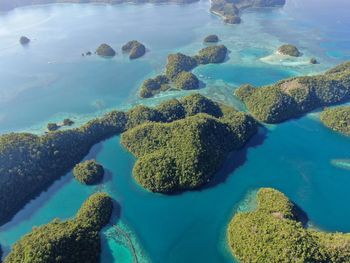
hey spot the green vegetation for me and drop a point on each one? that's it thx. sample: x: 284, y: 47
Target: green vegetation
x: 71, y: 241
x: 274, y: 233
x: 135, y: 49
x: 184, y: 154
x: 105, y: 50
x: 187, y: 81
x: 177, y: 71
x: 177, y: 63
x: 24, y: 40
x: 292, y: 97
x: 88, y: 172
x: 230, y: 10
x: 289, y: 50
x: 211, y: 39
x: 212, y: 54
x: 337, y: 119
x: 151, y: 87
x: 31, y: 163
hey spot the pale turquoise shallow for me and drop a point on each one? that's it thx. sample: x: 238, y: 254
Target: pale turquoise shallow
x: 49, y: 80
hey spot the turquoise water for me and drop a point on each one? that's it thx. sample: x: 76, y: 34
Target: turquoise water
x: 49, y: 80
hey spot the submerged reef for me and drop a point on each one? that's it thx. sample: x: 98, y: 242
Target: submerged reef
x: 230, y: 10
x: 337, y: 119
x: 185, y: 152
x: 88, y: 172
x: 293, y: 97
x: 71, y: 241
x: 177, y: 71
x: 274, y: 232
x: 134, y: 48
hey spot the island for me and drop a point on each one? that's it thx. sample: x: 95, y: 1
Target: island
x: 67, y: 122
x: 212, y: 54
x: 337, y: 119
x: 313, y: 61
x: 88, y: 172
x: 186, y: 153
x: 105, y: 50
x: 151, y: 87
x: 73, y: 240
x: 211, y: 39
x: 39, y: 160
x: 227, y: 9
x: 295, y: 96
x: 52, y: 126
x: 274, y: 231
x: 186, y: 81
x: 177, y: 70
x: 24, y: 40
x: 135, y: 49
x: 230, y: 10
x: 289, y: 50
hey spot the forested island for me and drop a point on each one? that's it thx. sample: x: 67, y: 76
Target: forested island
x: 289, y: 50
x: 230, y: 10
x: 185, y: 153
x: 71, y: 241
x: 105, y: 50
x: 31, y: 163
x: 337, y: 119
x: 293, y: 97
x: 88, y: 172
x: 177, y: 71
x: 211, y: 39
x: 134, y: 48
x: 275, y: 232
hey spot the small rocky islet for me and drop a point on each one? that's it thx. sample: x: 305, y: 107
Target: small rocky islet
x: 88, y: 172
x: 289, y: 50
x: 24, y: 40
x: 211, y: 39
x: 105, y: 50
x: 135, y: 49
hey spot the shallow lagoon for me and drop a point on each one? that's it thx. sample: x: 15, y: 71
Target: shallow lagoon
x: 50, y: 80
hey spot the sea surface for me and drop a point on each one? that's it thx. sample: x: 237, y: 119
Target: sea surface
x: 49, y: 80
